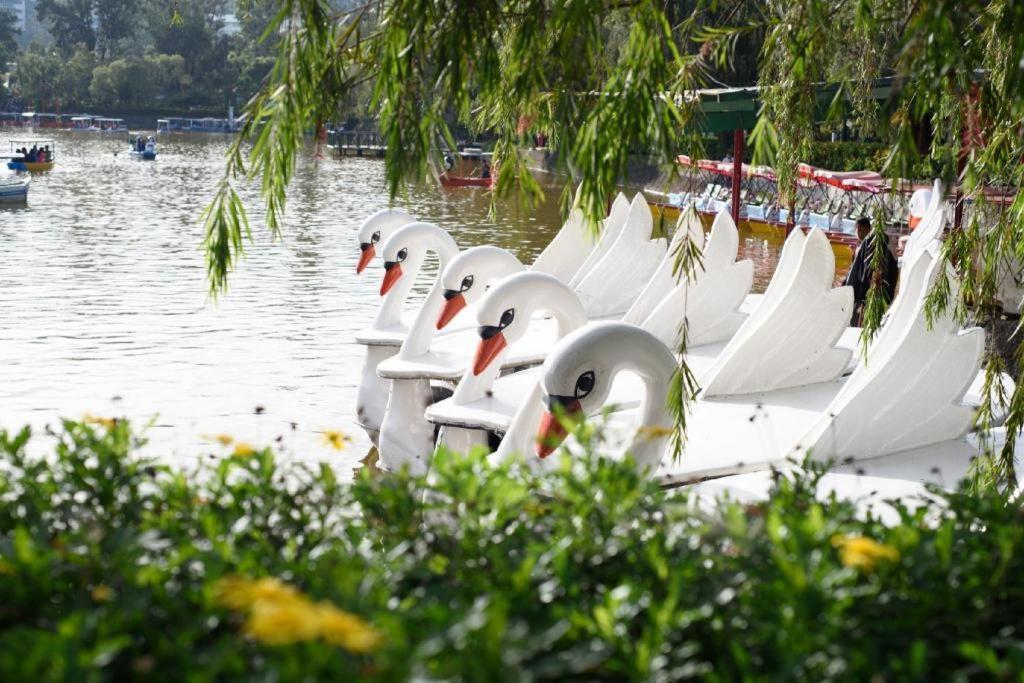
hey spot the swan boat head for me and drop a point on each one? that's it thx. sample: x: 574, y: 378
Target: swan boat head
x: 466, y: 278
x: 918, y: 206
x: 406, y: 249
x: 577, y: 379
x: 377, y: 228
x: 506, y: 311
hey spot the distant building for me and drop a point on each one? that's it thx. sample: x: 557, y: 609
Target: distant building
x: 18, y: 9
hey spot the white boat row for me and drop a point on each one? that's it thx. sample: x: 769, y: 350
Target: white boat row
x: 592, y: 328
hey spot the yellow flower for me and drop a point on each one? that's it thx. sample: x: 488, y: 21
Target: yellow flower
x: 347, y: 630
x: 278, y: 614
x: 335, y: 439
x: 222, y: 439
x: 102, y: 593
x: 240, y: 593
x: 108, y: 422
x: 862, y: 552
x: 283, y: 622
x: 243, y: 449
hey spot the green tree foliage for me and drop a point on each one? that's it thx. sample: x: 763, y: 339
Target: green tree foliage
x: 116, y: 21
x: 39, y: 76
x: 251, y: 56
x: 9, y: 33
x: 124, y: 41
x: 104, y: 25
x: 188, y: 28
x: 70, y: 22
x: 138, y: 81
x: 112, y: 568
x: 77, y: 76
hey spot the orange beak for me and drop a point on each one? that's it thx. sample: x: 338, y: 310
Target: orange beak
x: 487, y: 350
x: 914, y: 221
x: 552, y: 432
x: 452, y: 306
x: 365, y: 257
x: 391, y: 276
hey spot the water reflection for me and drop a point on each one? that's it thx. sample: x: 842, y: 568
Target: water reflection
x: 105, y: 306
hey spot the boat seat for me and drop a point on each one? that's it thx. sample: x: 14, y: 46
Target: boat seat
x: 818, y: 220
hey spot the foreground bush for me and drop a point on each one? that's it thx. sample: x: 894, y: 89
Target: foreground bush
x: 114, y: 568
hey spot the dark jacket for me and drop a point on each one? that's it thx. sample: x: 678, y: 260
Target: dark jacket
x: 860, y: 274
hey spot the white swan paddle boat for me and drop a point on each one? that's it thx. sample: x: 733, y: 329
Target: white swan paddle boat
x: 484, y: 403
x: 563, y: 256
x: 406, y: 437
x: 716, y: 305
x: 626, y: 267
x: 782, y: 383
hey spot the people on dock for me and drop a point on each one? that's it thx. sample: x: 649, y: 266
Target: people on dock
x: 863, y: 272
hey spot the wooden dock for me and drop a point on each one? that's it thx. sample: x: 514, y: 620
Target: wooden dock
x: 356, y: 143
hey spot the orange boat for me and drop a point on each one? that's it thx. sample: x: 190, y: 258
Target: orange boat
x: 466, y: 181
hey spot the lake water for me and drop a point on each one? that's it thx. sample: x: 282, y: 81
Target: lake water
x: 104, y: 306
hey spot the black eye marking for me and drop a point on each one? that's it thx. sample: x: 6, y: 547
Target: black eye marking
x: 584, y: 384
x: 375, y: 237
x: 402, y: 253
x: 467, y: 282
x: 488, y: 331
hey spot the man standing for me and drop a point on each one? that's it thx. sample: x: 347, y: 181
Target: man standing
x: 862, y: 273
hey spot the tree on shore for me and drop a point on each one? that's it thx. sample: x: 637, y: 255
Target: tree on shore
x: 70, y: 22
x: 508, y: 66
x: 9, y: 33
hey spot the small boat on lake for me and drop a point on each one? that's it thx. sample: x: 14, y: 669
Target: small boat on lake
x: 465, y: 181
x: 40, y: 155
x: 141, y: 148
x: 108, y: 125
x: 204, y: 125
x: 13, y: 190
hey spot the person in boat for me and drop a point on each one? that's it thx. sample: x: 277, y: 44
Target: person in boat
x: 863, y: 274
x: 33, y: 155
x: 150, y: 145
x: 485, y: 172
x: 49, y: 154
x: 41, y: 156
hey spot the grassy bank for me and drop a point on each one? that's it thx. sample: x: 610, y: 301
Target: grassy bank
x: 115, y: 568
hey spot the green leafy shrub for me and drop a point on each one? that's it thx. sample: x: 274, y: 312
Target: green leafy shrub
x: 848, y: 156
x: 113, y: 567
